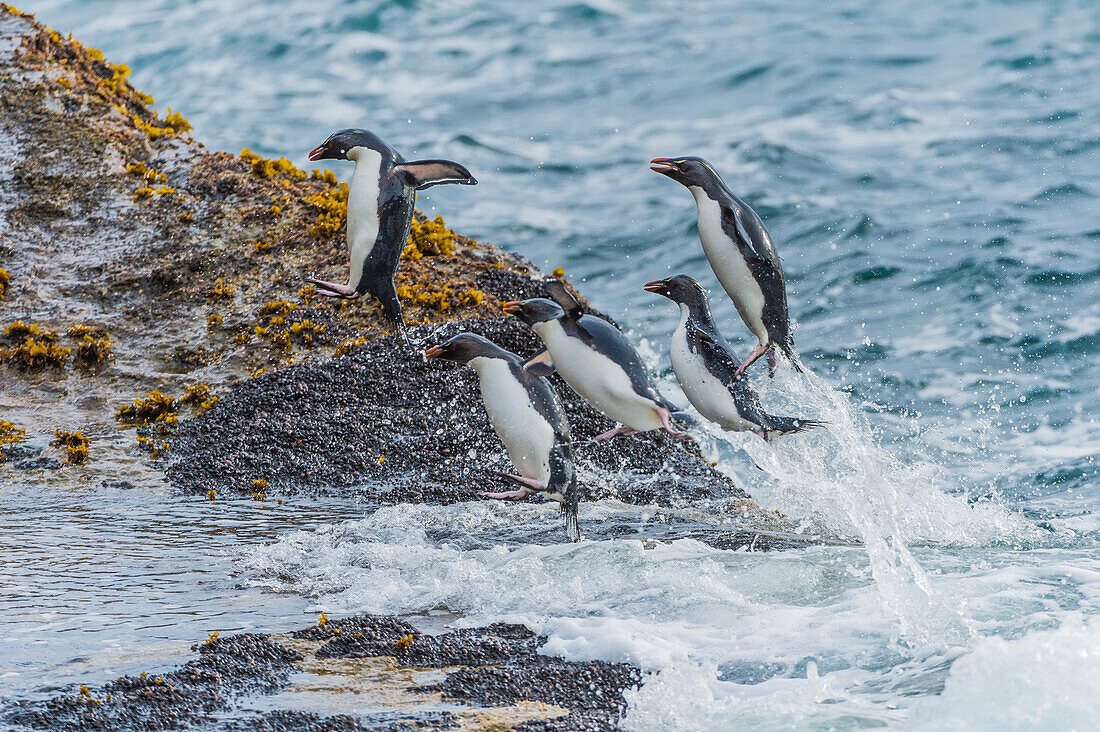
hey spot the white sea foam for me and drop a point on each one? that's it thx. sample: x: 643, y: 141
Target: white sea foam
x: 787, y: 638
x: 1045, y: 680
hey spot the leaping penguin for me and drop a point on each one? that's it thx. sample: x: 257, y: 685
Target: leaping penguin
x: 597, y: 361
x: 381, y: 197
x: 526, y: 414
x: 706, y: 367
x: 741, y: 253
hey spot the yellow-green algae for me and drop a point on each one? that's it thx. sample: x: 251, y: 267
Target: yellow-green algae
x: 75, y: 444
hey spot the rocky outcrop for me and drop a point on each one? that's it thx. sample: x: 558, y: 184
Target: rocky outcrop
x: 159, y: 288
x: 479, y: 678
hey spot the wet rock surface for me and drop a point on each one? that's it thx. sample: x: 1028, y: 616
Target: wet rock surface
x: 190, y: 696
x: 402, y: 428
x: 486, y: 668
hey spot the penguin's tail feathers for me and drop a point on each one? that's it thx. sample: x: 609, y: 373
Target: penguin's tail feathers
x: 790, y: 426
x: 787, y: 349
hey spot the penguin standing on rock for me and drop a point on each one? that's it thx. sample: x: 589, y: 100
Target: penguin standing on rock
x: 597, y: 361
x: 741, y: 253
x: 381, y: 197
x: 707, y: 369
x: 529, y: 420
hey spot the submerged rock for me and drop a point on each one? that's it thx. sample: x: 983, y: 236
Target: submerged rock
x: 492, y: 678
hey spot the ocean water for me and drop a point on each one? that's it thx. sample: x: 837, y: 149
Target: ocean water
x: 929, y: 173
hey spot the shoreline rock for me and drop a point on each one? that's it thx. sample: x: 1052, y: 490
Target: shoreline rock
x: 491, y: 677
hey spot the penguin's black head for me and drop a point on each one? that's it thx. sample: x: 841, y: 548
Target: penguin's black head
x: 464, y: 347
x: 680, y: 288
x: 686, y: 171
x: 535, y: 310
x: 340, y: 143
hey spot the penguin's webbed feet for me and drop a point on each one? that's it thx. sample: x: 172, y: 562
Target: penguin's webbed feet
x: 515, y: 495
x: 756, y: 353
x: 620, y: 430
x: 333, y: 289
x: 666, y: 422
x: 770, y: 353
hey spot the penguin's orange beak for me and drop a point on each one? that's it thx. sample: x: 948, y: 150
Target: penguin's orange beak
x: 433, y: 352
x: 662, y: 165
x: 513, y: 308
x: 657, y: 286
x: 316, y: 153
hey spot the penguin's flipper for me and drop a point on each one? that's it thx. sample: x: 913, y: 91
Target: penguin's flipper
x: 561, y: 295
x: 540, y: 364
x: 421, y: 174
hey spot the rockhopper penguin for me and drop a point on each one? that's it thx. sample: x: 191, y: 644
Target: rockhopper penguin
x: 706, y: 367
x: 526, y: 414
x: 741, y: 253
x: 381, y: 197
x: 597, y: 361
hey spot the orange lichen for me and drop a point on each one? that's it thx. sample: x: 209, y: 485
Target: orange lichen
x: 34, y: 355
x: 326, y: 176
x: 405, y: 641
x: 213, y: 320
x: 199, y: 397
x: 154, y: 408
x: 75, y: 444
x: 275, y: 307
x: 262, y: 167
x: 147, y: 192
x: 305, y: 294
x: 429, y: 238
x: 5, y: 279
x: 559, y: 272
x: 220, y: 290
x: 91, y: 351
x: 332, y: 204
x: 306, y: 329
x: 149, y: 175
x: 442, y: 299
x: 174, y: 124
x: 19, y: 331
x: 10, y: 434
x: 348, y: 345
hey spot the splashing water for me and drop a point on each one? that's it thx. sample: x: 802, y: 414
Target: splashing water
x: 840, y: 479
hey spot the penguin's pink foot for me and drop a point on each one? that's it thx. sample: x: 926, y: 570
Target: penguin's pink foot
x: 507, y: 495
x: 531, y: 483
x: 762, y: 433
x: 771, y: 363
x: 756, y: 353
x: 333, y: 289
x: 666, y: 422
x: 620, y: 430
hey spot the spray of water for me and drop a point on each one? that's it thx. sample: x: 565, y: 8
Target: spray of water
x: 841, y: 479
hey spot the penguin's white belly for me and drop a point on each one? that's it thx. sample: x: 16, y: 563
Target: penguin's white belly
x: 730, y: 267
x: 526, y: 435
x: 362, y: 212
x: 705, y: 392
x: 599, y: 380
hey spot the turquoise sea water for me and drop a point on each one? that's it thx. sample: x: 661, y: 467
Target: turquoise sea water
x: 929, y: 173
